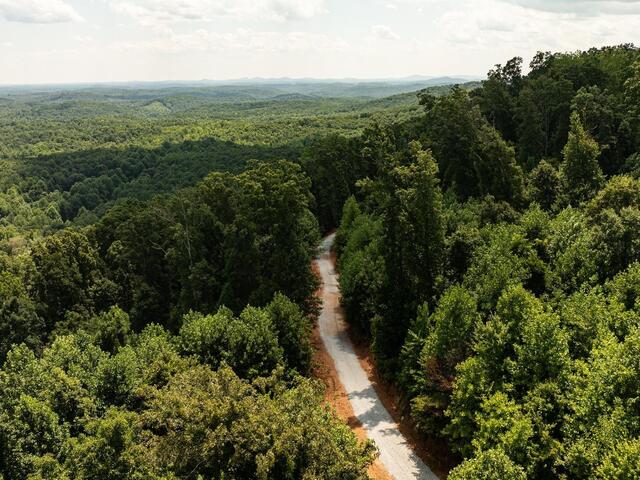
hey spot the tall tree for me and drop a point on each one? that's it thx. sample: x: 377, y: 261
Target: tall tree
x: 580, y: 170
x: 498, y: 94
x: 413, y: 243
x: 542, y: 111
x: 69, y: 275
x: 474, y: 160
x: 334, y: 164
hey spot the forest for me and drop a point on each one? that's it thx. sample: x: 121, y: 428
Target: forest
x: 157, y: 296
x: 489, y: 250
x: 70, y: 155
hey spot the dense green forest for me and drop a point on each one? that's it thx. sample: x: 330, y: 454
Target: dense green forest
x: 67, y: 156
x: 157, y: 297
x: 490, y: 250
x: 156, y: 291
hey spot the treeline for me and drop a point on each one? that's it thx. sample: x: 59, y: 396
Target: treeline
x: 490, y: 251
x: 489, y: 247
x: 87, y: 149
x: 155, y: 325
x: 158, y: 343
x: 79, y: 151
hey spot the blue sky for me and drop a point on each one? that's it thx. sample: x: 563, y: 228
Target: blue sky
x: 58, y: 41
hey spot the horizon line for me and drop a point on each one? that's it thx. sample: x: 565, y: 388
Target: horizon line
x: 405, y: 79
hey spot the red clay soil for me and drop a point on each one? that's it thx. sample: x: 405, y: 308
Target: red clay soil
x: 433, y: 452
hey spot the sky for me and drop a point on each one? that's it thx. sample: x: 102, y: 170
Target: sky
x: 74, y: 41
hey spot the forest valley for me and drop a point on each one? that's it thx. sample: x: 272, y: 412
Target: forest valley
x: 157, y: 297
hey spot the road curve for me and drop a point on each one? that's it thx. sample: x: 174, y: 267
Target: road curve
x: 395, y: 454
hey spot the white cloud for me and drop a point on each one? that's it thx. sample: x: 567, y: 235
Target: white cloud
x: 154, y: 12
x: 82, y: 38
x: 576, y: 7
x: 583, y: 7
x: 38, y: 11
x: 507, y: 25
x: 384, y: 32
x: 240, y: 40
x: 496, y: 24
x: 293, y: 9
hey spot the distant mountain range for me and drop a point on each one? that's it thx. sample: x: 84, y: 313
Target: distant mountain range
x: 421, y: 80
x: 427, y: 80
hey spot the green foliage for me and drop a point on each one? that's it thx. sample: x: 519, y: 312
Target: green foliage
x: 231, y: 240
x: 580, y: 170
x: 501, y: 261
x: 542, y: 115
x: 233, y: 429
x: 488, y: 465
x: 531, y: 293
x: 30, y: 429
x: 110, y: 329
x: 110, y: 448
x: 248, y: 343
x: 632, y: 89
x: 412, y: 244
x: 569, y: 247
x: 19, y: 319
x: 67, y: 271
x: 350, y: 212
x: 619, y: 192
x: 545, y: 185
x: 293, y: 329
x: 496, y: 98
x: 19, y: 216
x: 533, y: 110
x: 588, y: 315
x: 522, y: 350
x: 600, y: 116
x: 501, y: 424
x: 72, y: 154
x: 473, y: 157
x: 623, y: 463
x: 147, y: 412
x: 543, y: 352
x: 361, y: 268
x: 625, y: 288
x: 508, y: 314
x: 441, y: 341
x: 600, y: 416
x: 614, y: 215
x: 334, y: 165
x: 450, y: 329
x: 631, y: 166
x: 470, y: 387
x: 88, y: 402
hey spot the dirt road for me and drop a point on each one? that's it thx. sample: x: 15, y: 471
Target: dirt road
x: 395, y: 454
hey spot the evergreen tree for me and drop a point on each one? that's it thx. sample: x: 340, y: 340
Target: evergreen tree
x: 413, y: 244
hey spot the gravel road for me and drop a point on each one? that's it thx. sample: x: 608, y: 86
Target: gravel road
x: 395, y: 454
